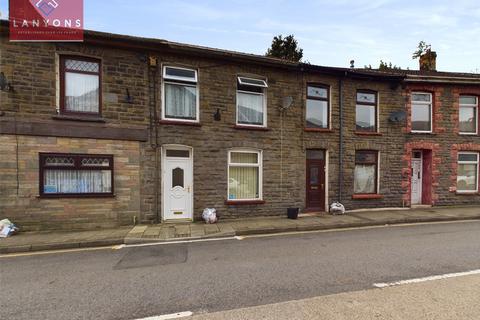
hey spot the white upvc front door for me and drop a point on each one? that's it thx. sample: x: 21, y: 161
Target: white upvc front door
x: 417, y: 174
x: 177, y: 177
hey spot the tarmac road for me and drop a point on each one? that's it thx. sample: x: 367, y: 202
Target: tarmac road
x: 137, y: 282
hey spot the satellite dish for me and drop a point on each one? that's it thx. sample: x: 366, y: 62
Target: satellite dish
x: 287, y: 102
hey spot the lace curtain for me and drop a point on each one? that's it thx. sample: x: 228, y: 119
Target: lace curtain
x: 250, y: 108
x: 78, y: 181
x: 364, y: 178
x: 81, y: 92
x: 243, y: 183
x: 180, y: 101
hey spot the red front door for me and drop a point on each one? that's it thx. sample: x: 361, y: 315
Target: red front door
x: 315, y: 197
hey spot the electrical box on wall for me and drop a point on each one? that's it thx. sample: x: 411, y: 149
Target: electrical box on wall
x: 397, y: 116
x: 152, y: 61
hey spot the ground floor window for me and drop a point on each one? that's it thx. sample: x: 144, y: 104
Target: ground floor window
x: 366, y: 172
x: 467, y: 176
x: 244, y: 175
x: 74, y: 174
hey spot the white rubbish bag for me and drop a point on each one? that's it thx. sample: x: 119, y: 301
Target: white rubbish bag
x: 210, y: 215
x: 7, y: 228
x: 337, y: 208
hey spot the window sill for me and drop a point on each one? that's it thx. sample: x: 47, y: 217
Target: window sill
x: 422, y: 133
x: 367, y: 196
x: 326, y: 130
x: 361, y: 133
x: 467, y: 193
x: 75, y: 195
x: 467, y: 134
x: 243, y: 202
x: 79, y: 118
x: 180, y: 123
x: 242, y: 127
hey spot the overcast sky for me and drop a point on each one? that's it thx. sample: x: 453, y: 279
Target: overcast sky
x: 330, y: 32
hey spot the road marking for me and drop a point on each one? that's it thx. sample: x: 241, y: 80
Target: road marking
x: 118, y: 247
x: 177, y: 315
x: 424, y: 279
x: 176, y: 242
x: 412, y: 224
x: 38, y: 253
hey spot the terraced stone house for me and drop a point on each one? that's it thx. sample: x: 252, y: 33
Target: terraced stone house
x: 120, y: 130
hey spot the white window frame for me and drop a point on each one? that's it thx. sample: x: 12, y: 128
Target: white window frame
x: 329, y: 104
x: 263, y: 94
x: 430, y: 103
x: 258, y: 165
x: 180, y: 81
x: 460, y: 105
x: 241, y: 80
x: 165, y: 76
x: 469, y: 162
x: 377, y: 108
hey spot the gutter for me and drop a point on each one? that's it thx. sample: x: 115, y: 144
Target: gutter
x: 444, y: 80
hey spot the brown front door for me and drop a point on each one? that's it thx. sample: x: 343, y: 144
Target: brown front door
x: 315, y: 180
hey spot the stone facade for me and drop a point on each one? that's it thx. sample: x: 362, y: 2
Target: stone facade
x: 131, y: 130
x: 20, y: 188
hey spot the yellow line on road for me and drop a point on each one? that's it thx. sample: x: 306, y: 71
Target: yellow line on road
x: 38, y: 253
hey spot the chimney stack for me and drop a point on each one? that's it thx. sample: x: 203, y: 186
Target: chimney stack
x: 428, y: 61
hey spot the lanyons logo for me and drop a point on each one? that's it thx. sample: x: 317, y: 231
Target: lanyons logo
x: 45, y: 6
x: 46, y: 20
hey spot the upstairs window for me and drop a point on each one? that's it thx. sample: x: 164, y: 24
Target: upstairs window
x: 468, y: 115
x: 421, y: 112
x: 366, y: 111
x: 244, y: 175
x: 76, y: 175
x: 366, y: 172
x: 318, y: 105
x: 80, y: 85
x: 180, y: 94
x: 251, y: 102
x: 467, y: 176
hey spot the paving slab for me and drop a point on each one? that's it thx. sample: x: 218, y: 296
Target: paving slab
x: 182, y: 231
x: 152, y: 232
x: 211, y: 229
x: 34, y: 241
x: 197, y: 230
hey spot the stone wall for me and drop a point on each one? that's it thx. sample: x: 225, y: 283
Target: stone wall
x: 19, y: 190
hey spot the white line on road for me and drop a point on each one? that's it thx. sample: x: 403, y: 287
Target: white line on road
x: 424, y: 279
x: 177, y: 315
x: 288, y: 233
x: 175, y: 242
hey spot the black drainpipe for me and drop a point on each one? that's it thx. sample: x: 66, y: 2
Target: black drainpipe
x: 340, y: 142
x: 152, y: 75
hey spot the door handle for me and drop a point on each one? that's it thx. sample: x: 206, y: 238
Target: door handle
x: 322, y: 186
x: 188, y: 189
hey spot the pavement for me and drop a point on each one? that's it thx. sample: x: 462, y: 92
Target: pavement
x: 455, y: 298
x: 35, y: 241
x: 146, y: 280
